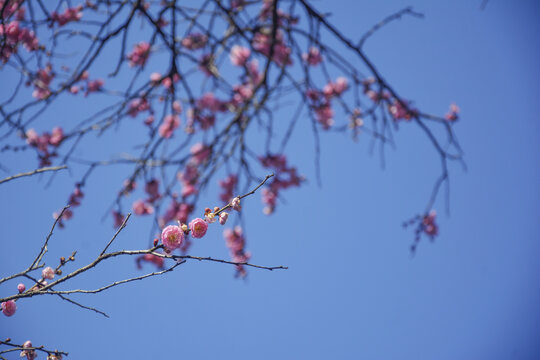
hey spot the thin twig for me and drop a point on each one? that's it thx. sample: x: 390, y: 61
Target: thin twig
x: 33, y: 172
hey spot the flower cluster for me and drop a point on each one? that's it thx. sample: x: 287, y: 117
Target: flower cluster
x: 45, y: 144
x: 425, y: 224
x: 401, y: 110
x: 194, y: 41
x: 42, y: 81
x: 145, y: 207
x: 452, y: 114
x: 170, y: 123
x: 74, y: 201
x: 320, y: 101
x: 236, y: 242
x: 285, y: 177
x: 156, y: 260
x: 14, y: 35
x: 69, y: 15
x: 312, y: 57
x: 29, y: 354
x: 228, y: 186
x: 139, y: 55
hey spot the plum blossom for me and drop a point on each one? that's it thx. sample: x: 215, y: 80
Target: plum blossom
x: 118, y: 219
x: 9, y: 307
x: 239, y: 55
x: 200, y: 153
x: 428, y: 224
x: 47, y: 273
x: 401, y: 110
x: 223, y: 217
x: 285, y: 177
x: 312, y: 57
x: 137, y: 106
x: 142, y: 208
x: 42, y: 82
x: 156, y: 260
x: 235, y: 204
x: 194, y: 41
x: 69, y: 15
x: 227, y: 185
x: 198, y: 227
x: 30, y: 354
x: 139, y: 55
x: 170, y: 123
x: 452, y: 114
x: 21, y: 288
x: 172, y: 237
x: 94, y: 86
x: 236, y: 242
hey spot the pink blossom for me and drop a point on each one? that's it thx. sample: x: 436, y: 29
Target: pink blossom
x: 9, y: 307
x: 170, y: 123
x: 168, y: 82
x: 139, y: 55
x: 235, y: 204
x: 172, y: 237
x: 401, y: 110
x: 118, y: 219
x: 21, y: 288
x: 228, y: 184
x: 42, y: 82
x: 188, y: 189
x: 70, y: 14
x: 335, y: 88
x: 281, y: 54
x: 57, y: 136
x: 47, y: 273
x: 177, y: 107
x: 207, y: 65
x: 155, y: 77
x: 152, y: 189
x: 312, y: 57
x: 30, y: 354
x: 142, y: 208
x: 223, y: 217
x: 198, y: 227
x: 325, y: 115
x: 452, y: 114
x: 194, y: 41
x: 209, y: 102
x: 428, y: 224
x: 236, y: 242
x: 94, y: 86
x: 138, y: 105
x: 176, y: 211
x: 200, y: 153
x: 149, y: 120
x: 210, y: 217
x: 74, y: 90
x: 239, y: 55
x: 158, y: 261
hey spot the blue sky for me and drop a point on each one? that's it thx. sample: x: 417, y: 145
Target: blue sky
x: 352, y: 289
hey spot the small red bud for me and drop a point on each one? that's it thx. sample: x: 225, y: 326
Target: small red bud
x: 156, y: 241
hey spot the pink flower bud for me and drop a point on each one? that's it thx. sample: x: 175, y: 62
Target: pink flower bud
x: 235, y: 203
x: 21, y: 288
x: 9, y: 307
x: 223, y: 218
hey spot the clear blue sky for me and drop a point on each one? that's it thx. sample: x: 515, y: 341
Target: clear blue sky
x: 352, y: 290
